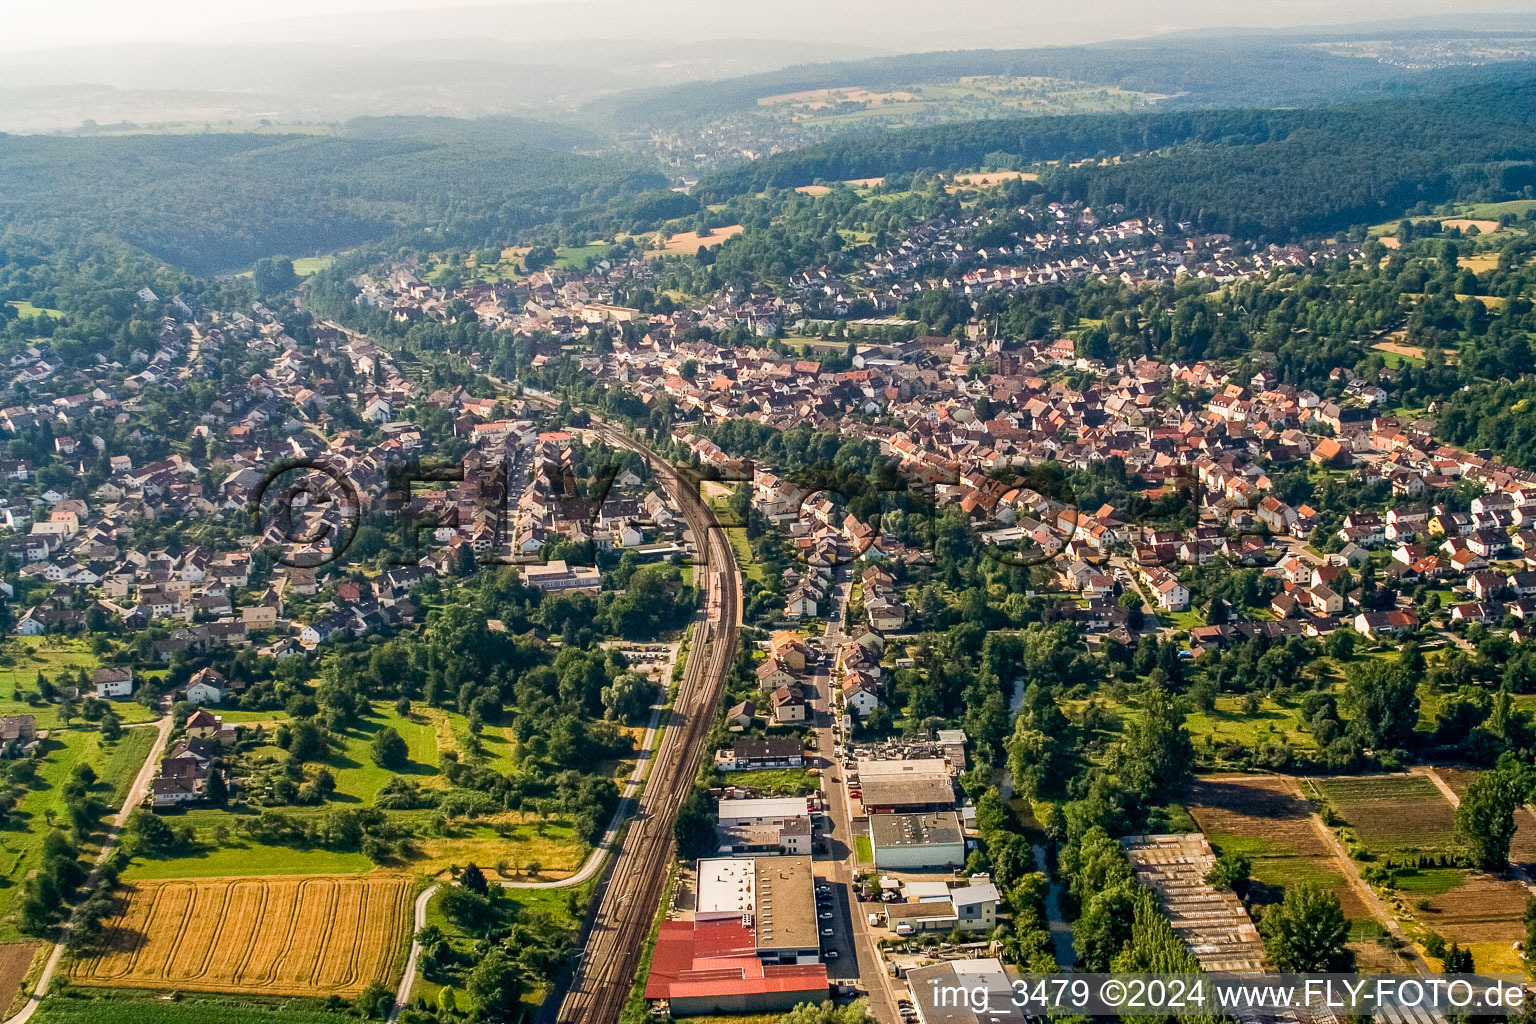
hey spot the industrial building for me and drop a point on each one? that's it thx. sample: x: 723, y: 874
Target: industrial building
x: 923, y: 784
x: 935, y: 907
x: 752, y: 945
x: 917, y: 842
x: 777, y: 825
x: 962, y: 992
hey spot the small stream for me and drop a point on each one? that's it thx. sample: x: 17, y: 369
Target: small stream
x: 1061, y: 931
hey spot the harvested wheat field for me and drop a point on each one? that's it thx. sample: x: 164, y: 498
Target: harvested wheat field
x: 689, y: 241
x: 1393, y: 814
x: 1262, y: 818
x: 318, y: 935
x: 1483, y: 226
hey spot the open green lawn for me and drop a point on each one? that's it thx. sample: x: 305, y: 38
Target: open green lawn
x: 1396, y: 359
x: 789, y: 781
x: 242, y: 857
x: 574, y: 257
x: 239, y: 717
x: 737, y: 535
x: 26, y: 656
x: 21, y: 836
x: 25, y: 310
x: 358, y: 779
x: 1493, y: 211
x: 865, y: 848
x: 1182, y: 620
x: 1227, y: 722
x: 517, y: 838
x: 307, y: 265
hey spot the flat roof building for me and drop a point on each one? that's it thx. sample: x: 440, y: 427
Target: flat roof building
x: 773, y: 896
x: 918, y: 785
x: 917, y: 842
x: 777, y: 825
x: 942, y: 993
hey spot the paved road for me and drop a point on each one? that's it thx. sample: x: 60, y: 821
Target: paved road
x: 136, y: 794
x: 840, y: 864
x: 590, y: 867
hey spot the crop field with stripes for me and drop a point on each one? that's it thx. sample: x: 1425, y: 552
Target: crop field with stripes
x: 310, y: 936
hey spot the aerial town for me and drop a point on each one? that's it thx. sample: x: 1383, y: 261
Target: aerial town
x: 741, y: 539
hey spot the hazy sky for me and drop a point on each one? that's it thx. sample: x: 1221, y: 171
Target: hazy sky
x: 904, y: 24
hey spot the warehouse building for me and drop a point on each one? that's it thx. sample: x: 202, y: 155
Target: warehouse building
x: 752, y: 946
x: 911, y: 786
x: 917, y: 842
x: 776, y: 825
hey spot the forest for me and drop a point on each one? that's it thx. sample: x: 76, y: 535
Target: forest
x: 1273, y: 174
x: 216, y: 203
x: 1195, y: 73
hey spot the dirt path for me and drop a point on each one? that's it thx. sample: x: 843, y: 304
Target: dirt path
x: 136, y: 794
x: 1517, y: 871
x: 1351, y: 872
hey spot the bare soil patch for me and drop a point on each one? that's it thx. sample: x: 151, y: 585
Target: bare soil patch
x: 689, y: 241
x: 15, y: 961
x: 1263, y: 818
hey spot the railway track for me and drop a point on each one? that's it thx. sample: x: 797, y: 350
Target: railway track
x: 601, y: 983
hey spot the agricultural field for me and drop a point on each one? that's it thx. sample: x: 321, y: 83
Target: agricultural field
x: 15, y: 962
x: 1267, y: 820
x: 1392, y: 814
x: 90, y: 1006
x: 1522, y: 850
x: 1263, y: 818
x: 1477, y: 910
x: 689, y: 241
x: 284, y: 936
x: 820, y: 112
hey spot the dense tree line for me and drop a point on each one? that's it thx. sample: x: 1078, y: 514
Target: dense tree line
x: 217, y: 202
x: 1200, y: 72
x: 1273, y: 173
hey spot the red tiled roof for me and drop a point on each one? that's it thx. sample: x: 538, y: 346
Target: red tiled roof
x: 705, y: 959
